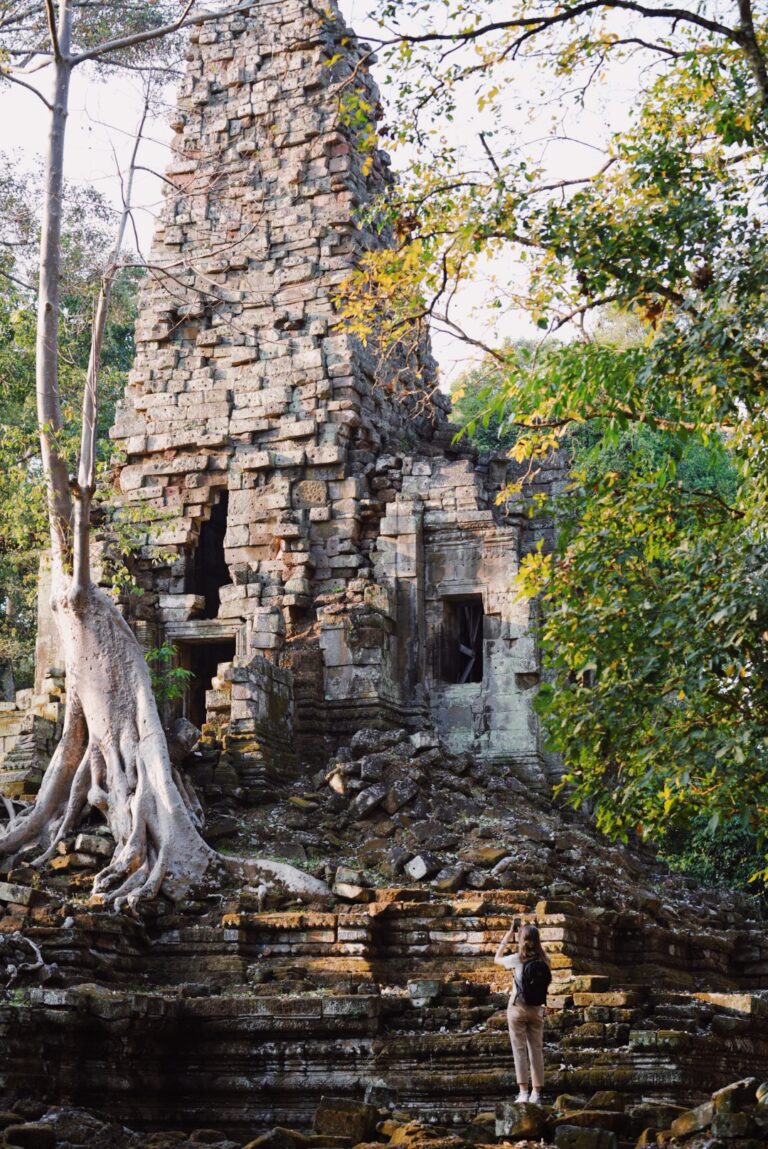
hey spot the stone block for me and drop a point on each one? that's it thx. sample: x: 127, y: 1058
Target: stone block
x: 607, y: 1099
x: 368, y: 799
x: 596, y: 1119
x: 379, y: 598
x: 520, y: 1122
x: 694, y: 1120
x: 351, y: 892
x: 728, y: 1126
x: 309, y: 493
x: 576, y: 1137
x: 371, y: 768
x: 17, y: 895
x: 31, y: 1136
x: 340, y: 1117
x: 736, y: 1095
x: 423, y: 866
x: 96, y: 844
x: 399, y: 794
x: 278, y: 1138
x: 485, y: 855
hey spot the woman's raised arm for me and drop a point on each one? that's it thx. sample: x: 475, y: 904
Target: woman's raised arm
x: 503, y: 944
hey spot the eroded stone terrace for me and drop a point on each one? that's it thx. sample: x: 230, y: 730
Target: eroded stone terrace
x: 243, y: 1019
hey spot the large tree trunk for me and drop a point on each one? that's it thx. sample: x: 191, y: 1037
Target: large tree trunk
x: 113, y: 757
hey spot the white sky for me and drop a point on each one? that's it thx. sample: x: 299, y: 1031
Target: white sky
x: 104, y: 115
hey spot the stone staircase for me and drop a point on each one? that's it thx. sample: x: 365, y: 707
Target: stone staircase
x: 227, y: 1016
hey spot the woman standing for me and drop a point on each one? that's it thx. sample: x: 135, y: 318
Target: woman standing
x: 527, y: 1006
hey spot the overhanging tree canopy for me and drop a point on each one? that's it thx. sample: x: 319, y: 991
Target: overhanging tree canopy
x: 113, y: 754
x: 659, y: 587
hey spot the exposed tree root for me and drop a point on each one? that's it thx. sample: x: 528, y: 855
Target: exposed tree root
x: 113, y: 756
x: 15, y: 953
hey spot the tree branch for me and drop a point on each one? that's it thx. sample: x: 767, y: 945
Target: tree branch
x: 752, y: 50
x: 50, y: 17
x: 532, y: 25
x: 29, y: 87
x: 137, y: 38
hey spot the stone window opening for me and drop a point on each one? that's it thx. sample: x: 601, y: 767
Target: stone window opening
x: 203, y: 660
x: 208, y: 570
x: 463, y: 639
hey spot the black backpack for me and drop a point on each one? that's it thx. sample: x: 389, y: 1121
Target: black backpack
x: 533, y: 985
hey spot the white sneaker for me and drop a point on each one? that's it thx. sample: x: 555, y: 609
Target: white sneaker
x: 522, y: 1097
x: 536, y: 1097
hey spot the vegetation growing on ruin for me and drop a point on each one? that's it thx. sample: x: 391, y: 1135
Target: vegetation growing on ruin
x: 475, y: 403
x: 655, y: 608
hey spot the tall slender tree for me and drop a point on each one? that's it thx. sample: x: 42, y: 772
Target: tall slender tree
x: 113, y: 755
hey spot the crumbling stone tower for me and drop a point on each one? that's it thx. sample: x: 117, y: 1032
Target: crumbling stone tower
x: 324, y: 544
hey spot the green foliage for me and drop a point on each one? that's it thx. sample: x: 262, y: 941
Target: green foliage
x: 727, y: 856
x: 23, y: 520
x: 478, y: 403
x: 655, y: 610
x: 24, y: 32
x: 169, y: 681
x: 654, y: 616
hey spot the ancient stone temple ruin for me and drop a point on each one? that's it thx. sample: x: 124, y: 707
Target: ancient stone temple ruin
x: 327, y: 542
x: 334, y: 569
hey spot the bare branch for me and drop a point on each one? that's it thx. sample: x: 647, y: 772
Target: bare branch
x: 19, y: 282
x: 489, y: 153
x: 13, y: 79
x: 752, y: 49
x: 532, y: 25
x: 146, y: 37
x: 50, y: 17
x: 558, y: 184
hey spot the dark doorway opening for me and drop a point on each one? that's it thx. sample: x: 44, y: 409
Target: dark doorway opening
x: 463, y: 639
x: 209, y: 571
x: 203, y: 660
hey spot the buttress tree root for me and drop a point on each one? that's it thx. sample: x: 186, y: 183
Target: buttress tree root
x: 113, y: 757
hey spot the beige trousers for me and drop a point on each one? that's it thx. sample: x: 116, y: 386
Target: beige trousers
x: 526, y: 1032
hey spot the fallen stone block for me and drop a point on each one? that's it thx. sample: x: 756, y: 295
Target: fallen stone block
x: 655, y: 1116
x: 423, y: 866
x: 19, y: 895
x: 368, y: 800
x: 607, y: 1099
x: 575, y: 1137
x: 595, y: 1119
x: 399, y: 794
x: 340, y: 1117
x: 735, y: 1096
x: 485, y: 855
x: 729, y: 1126
x: 350, y: 885
x: 278, y: 1138
x: 520, y: 1122
x: 694, y: 1120
x: 450, y: 879
x: 30, y: 1136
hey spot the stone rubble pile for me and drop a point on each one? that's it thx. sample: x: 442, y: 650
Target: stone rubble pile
x: 394, y: 806
x: 735, y: 1117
